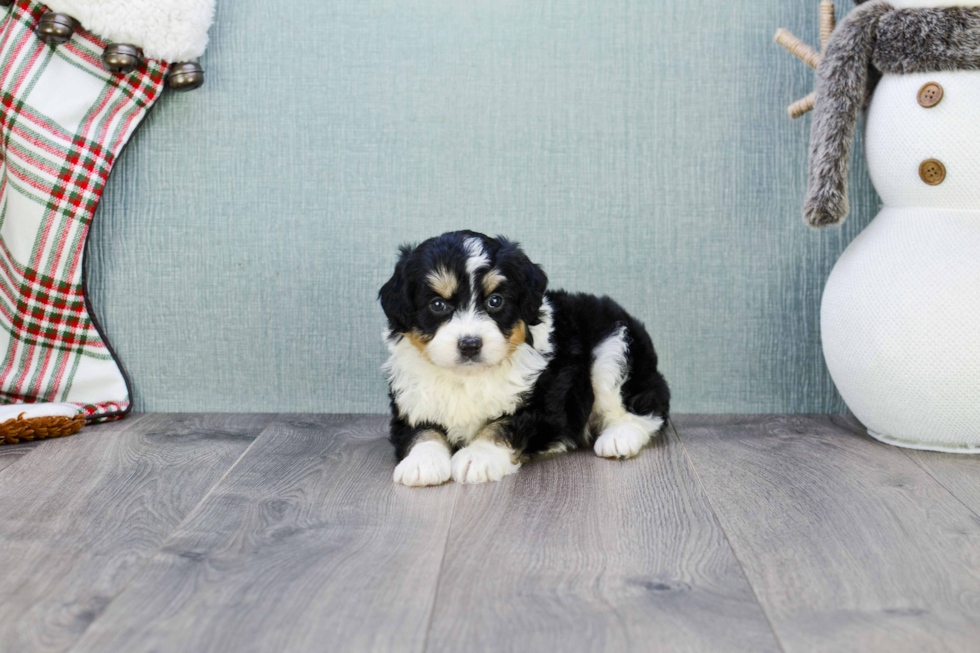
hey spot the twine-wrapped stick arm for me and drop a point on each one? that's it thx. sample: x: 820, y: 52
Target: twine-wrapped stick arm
x: 798, y: 48
x: 828, y: 22
x: 808, y: 55
x: 803, y: 106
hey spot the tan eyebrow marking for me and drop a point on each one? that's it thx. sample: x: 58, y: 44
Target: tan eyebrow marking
x: 443, y: 282
x: 491, y: 280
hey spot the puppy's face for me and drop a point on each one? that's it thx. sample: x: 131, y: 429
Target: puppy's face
x: 464, y: 300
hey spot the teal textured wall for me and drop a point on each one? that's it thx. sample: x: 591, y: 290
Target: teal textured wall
x: 637, y: 148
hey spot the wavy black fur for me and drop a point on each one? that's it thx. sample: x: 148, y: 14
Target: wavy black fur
x: 558, y: 409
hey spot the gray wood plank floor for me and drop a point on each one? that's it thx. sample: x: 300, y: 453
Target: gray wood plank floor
x: 587, y: 554
x: 11, y: 453
x: 306, y: 542
x: 285, y: 533
x: 80, y: 515
x: 848, y: 543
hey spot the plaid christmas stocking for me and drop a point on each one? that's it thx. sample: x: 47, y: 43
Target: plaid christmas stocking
x: 70, y: 102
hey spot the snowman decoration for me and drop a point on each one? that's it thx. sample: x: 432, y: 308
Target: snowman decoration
x: 900, y: 319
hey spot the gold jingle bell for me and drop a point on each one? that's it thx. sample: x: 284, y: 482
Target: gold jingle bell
x: 121, y: 58
x: 185, y: 76
x: 55, y: 28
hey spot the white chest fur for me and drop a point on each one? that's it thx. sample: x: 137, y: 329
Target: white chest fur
x: 461, y: 403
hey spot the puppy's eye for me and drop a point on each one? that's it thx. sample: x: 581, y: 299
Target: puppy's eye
x: 439, y: 306
x: 495, y: 302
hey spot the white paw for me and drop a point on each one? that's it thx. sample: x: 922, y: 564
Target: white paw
x: 428, y: 463
x: 482, y: 462
x: 622, y: 441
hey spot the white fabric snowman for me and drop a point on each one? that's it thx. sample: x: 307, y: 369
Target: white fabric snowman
x: 900, y: 318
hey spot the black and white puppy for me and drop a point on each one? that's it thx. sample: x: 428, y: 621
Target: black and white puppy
x: 487, y: 367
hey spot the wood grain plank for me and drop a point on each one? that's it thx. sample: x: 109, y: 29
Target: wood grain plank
x: 577, y: 553
x: 306, y: 545
x: 81, y: 515
x: 958, y: 473
x: 848, y: 544
x: 11, y: 453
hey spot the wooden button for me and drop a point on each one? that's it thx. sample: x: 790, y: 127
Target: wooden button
x: 930, y: 95
x: 932, y: 172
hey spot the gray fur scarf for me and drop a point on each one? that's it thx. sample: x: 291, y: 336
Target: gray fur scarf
x: 875, y: 38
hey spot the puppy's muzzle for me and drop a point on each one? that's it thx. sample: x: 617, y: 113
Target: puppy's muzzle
x: 470, y: 347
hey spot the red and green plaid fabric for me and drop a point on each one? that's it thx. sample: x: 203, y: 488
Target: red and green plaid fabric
x: 65, y: 120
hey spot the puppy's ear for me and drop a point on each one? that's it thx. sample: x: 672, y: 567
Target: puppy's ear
x: 529, y: 276
x: 536, y: 283
x: 394, y: 295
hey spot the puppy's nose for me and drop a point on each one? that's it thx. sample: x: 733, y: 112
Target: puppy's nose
x: 470, y: 346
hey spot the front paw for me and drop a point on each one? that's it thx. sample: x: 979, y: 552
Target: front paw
x: 483, y: 462
x: 428, y: 463
x: 621, y: 441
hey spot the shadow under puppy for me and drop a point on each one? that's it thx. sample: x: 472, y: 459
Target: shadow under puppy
x: 487, y: 367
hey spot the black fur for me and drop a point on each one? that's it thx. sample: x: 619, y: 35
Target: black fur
x: 557, y: 410
x: 396, y: 296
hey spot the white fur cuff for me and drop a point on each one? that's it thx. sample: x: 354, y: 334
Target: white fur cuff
x: 168, y: 30
x: 31, y: 411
